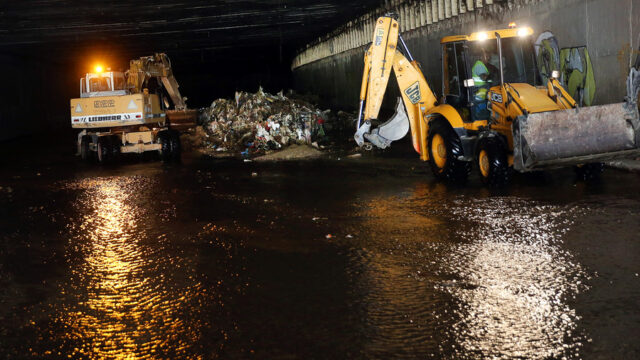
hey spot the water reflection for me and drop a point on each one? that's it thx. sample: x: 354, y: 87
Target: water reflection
x: 394, y: 262
x: 458, y: 276
x: 513, y: 281
x: 128, y: 306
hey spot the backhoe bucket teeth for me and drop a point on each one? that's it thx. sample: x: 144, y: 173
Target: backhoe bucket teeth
x: 576, y: 136
x: 394, y: 129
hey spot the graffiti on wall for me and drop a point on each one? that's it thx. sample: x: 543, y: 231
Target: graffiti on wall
x: 574, y: 64
x: 547, y: 55
x: 576, y: 73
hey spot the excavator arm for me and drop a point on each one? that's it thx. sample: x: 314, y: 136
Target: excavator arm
x: 417, y: 97
x: 158, y: 66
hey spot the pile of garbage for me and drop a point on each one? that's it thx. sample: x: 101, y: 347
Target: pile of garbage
x: 254, y: 123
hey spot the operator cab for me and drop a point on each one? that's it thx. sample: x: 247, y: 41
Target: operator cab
x: 471, y: 67
x: 103, y: 84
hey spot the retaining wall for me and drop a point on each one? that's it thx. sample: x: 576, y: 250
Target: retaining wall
x: 331, y: 67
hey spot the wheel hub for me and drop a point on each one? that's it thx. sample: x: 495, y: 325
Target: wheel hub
x: 483, y: 162
x: 442, y: 151
x: 439, y: 150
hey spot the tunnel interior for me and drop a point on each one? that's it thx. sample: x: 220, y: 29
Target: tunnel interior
x: 216, y: 48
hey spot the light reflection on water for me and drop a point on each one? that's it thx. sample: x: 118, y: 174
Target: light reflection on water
x: 461, y: 277
x: 127, y: 307
x: 514, y: 281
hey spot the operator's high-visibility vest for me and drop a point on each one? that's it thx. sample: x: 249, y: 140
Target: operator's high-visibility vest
x: 479, y: 68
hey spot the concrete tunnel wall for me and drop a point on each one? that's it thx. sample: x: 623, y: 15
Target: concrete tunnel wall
x: 332, y: 66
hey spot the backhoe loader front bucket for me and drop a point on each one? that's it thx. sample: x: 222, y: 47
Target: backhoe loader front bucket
x: 576, y: 136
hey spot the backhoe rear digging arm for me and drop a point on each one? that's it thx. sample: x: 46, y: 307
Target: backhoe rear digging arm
x: 363, y: 86
x: 380, y: 59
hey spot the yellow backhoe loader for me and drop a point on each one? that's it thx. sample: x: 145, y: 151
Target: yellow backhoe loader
x: 494, y: 111
x: 118, y: 113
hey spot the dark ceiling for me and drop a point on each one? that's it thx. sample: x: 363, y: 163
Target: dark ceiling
x: 216, y: 47
x: 65, y: 29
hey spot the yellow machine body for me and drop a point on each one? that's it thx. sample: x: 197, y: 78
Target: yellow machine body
x: 116, y: 111
x: 477, y: 116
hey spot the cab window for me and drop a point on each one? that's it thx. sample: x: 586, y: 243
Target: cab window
x: 451, y: 78
x: 118, y: 82
x: 455, y: 72
x: 99, y: 84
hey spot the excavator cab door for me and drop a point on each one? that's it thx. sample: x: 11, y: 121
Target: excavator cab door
x: 454, y: 70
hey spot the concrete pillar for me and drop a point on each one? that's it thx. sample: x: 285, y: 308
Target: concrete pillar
x: 441, y: 9
x: 404, y: 18
x: 373, y: 25
x: 354, y: 37
x: 469, y: 5
x: 454, y: 7
x: 414, y: 15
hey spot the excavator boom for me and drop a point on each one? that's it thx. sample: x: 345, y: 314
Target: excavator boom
x: 158, y: 66
x: 381, y: 58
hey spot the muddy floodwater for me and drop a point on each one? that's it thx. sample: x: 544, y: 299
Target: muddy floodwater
x: 350, y: 258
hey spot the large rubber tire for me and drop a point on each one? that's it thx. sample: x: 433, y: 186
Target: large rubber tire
x: 493, y: 163
x: 590, y: 171
x: 176, y: 147
x: 103, y: 150
x: 85, y: 151
x: 444, y: 149
x: 165, y: 146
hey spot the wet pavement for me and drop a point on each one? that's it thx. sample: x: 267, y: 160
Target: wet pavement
x: 349, y: 258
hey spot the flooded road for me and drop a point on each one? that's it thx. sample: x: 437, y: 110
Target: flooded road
x: 349, y: 258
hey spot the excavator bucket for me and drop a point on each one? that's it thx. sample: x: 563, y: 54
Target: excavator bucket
x: 182, y: 119
x: 393, y: 129
x: 576, y: 136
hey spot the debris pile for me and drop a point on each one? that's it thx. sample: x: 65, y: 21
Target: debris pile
x: 254, y: 123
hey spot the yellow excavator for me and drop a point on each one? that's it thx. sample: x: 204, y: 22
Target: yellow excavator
x: 128, y: 112
x: 494, y: 111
